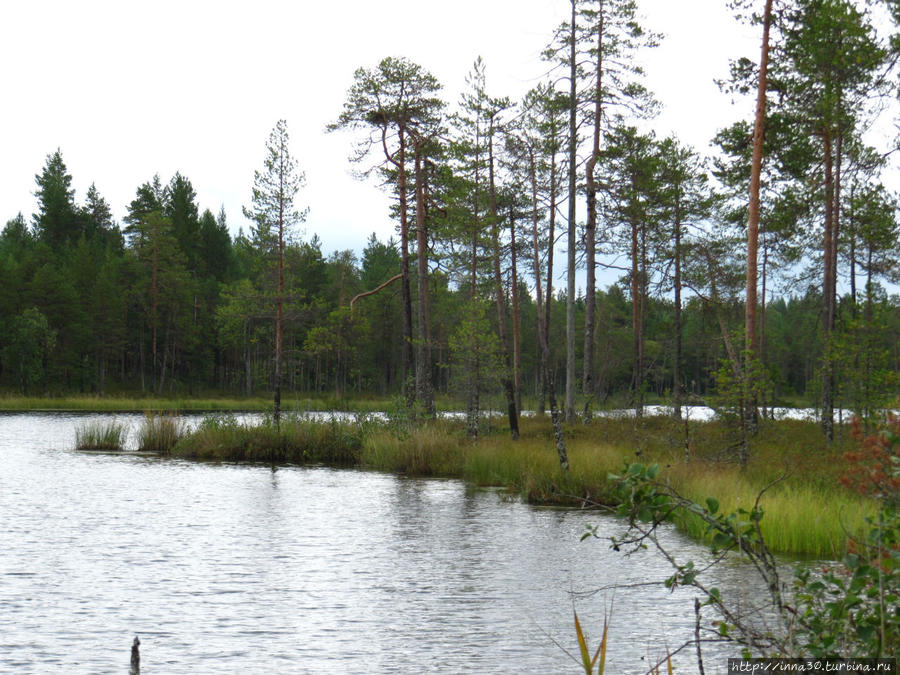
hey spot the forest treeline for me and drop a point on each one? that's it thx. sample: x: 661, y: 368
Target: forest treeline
x: 477, y: 293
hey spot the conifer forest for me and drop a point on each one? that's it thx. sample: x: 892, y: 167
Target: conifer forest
x: 761, y: 270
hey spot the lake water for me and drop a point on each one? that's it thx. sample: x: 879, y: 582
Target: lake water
x: 242, y: 569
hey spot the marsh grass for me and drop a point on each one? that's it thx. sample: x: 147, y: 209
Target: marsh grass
x: 159, y: 433
x: 802, y: 519
x: 438, y: 448
x: 101, y: 435
x: 293, y: 441
x: 807, y: 513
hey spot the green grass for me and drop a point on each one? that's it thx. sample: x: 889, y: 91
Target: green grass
x: 100, y: 435
x: 159, y: 433
x: 801, y: 519
x: 294, y: 441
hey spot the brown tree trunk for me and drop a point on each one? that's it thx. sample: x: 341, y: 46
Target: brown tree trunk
x: 424, y: 385
x: 543, y: 327
x: 517, y: 346
x: 279, y: 315
x: 570, y: 275
x: 762, y: 316
x: 247, y: 355
x: 536, y: 269
x: 473, y: 394
x: 544, y: 333
x: 590, y: 231
x: 676, y: 361
x: 750, y: 309
x: 500, y: 298
x: 636, y: 368
x: 154, y: 305
x: 827, y: 296
x: 406, y: 299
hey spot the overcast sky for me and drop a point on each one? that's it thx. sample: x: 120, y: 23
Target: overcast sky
x: 126, y: 90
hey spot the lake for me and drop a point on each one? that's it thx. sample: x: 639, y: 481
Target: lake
x: 246, y: 569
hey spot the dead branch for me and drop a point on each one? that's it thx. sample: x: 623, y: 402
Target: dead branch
x: 374, y: 290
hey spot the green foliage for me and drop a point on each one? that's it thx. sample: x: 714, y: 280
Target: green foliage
x: 863, y: 362
x: 173, y: 306
x: 274, y: 191
x: 475, y: 352
x: 29, y: 341
x: 57, y: 222
x: 851, y: 609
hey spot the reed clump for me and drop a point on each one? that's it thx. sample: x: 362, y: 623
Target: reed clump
x: 437, y: 448
x: 101, y: 435
x: 294, y: 440
x: 159, y: 433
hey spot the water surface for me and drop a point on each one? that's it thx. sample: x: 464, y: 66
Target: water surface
x: 242, y: 569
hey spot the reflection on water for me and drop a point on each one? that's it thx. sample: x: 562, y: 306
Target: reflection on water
x: 225, y: 569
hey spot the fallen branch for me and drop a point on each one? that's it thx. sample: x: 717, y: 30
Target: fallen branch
x: 375, y: 290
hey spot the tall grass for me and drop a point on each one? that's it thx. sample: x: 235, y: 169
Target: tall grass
x: 159, y: 433
x: 435, y: 449
x: 100, y: 435
x: 294, y: 440
x: 803, y: 519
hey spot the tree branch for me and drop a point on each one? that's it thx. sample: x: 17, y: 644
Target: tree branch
x: 374, y: 290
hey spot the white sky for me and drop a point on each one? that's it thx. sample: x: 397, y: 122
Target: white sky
x: 127, y: 89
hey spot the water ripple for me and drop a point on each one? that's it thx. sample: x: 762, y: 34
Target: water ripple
x: 224, y: 569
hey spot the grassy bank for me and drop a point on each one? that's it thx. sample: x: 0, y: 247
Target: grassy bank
x: 808, y: 513
x: 294, y: 441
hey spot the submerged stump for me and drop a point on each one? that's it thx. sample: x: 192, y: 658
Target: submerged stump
x: 135, y: 657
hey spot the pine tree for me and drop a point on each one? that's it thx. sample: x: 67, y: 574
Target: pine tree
x: 275, y: 218
x: 395, y: 103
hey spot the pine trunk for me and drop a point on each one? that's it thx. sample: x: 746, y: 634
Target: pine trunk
x: 676, y: 361
x: 590, y: 231
x: 827, y: 294
x: 500, y: 298
x: 750, y: 317
x: 570, y: 275
x: 406, y: 300
x: 424, y: 385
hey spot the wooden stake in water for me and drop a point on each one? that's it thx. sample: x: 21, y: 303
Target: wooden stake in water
x: 135, y: 657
